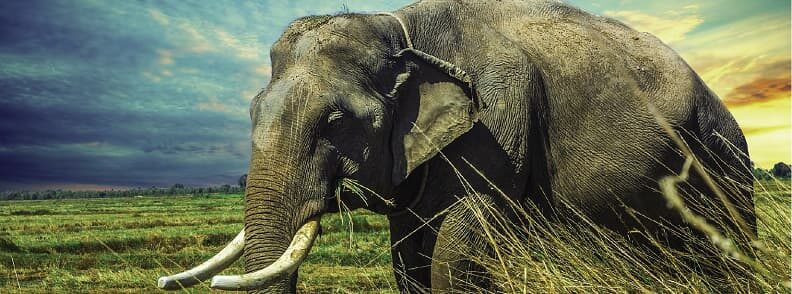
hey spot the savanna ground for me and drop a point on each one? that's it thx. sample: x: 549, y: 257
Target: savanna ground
x: 124, y: 244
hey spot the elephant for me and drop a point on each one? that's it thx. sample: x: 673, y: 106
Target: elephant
x: 544, y: 99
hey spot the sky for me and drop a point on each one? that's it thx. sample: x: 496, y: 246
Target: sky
x: 120, y: 94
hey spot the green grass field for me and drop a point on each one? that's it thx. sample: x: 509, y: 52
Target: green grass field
x: 124, y: 244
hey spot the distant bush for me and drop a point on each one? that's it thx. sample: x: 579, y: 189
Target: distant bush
x: 242, y: 181
x: 762, y: 174
x: 781, y: 170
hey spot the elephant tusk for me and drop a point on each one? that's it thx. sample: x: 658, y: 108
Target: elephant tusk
x: 209, y: 268
x: 284, y: 266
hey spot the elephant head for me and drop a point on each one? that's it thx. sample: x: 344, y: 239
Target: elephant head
x: 349, y: 98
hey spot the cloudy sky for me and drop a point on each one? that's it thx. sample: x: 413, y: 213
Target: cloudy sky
x: 100, y: 94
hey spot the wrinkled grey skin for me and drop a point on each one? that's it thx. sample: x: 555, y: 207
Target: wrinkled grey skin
x: 561, y: 115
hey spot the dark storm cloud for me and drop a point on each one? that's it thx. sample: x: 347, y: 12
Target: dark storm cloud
x: 77, y: 105
x: 135, y: 93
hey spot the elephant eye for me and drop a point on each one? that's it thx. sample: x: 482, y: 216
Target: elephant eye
x: 346, y: 134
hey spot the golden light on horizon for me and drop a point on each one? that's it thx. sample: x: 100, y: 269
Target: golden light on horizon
x: 766, y: 126
x: 745, y: 61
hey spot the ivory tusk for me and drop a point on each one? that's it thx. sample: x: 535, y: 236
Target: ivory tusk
x: 209, y: 268
x: 283, y: 267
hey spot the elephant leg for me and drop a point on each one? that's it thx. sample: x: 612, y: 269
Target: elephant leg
x: 462, y: 236
x: 412, y: 242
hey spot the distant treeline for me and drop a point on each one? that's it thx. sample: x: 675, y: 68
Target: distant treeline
x: 177, y: 189
x: 780, y: 170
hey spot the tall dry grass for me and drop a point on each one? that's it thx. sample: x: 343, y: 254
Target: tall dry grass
x: 539, y: 255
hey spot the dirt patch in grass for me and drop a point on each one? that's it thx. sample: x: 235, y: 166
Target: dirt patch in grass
x: 153, y: 242
x: 116, y: 225
x: 7, y: 244
x: 217, y: 239
x: 32, y: 212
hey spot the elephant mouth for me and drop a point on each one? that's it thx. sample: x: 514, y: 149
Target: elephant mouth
x: 283, y: 267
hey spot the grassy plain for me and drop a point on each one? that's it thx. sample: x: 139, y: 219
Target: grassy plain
x: 124, y: 244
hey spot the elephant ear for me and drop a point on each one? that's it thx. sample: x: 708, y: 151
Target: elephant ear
x: 437, y: 103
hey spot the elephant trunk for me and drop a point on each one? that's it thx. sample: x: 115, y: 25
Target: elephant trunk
x: 276, y: 239
x: 273, y: 215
